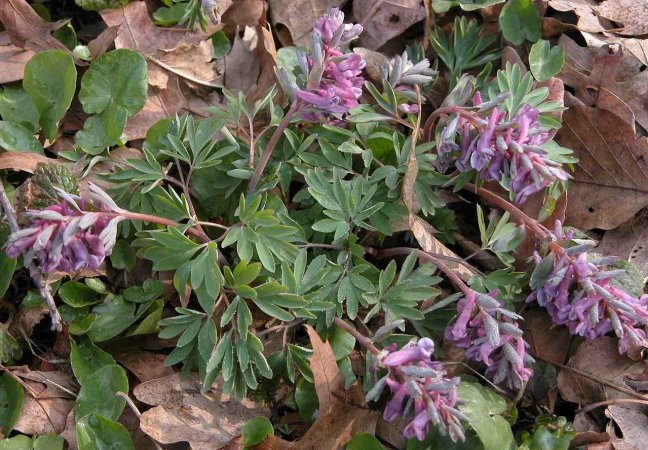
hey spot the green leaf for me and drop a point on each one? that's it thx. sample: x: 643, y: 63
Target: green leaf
x: 441, y: 6
x: 98, y: 5
x: 17, y: 106
x: 123, y: 255
x: 86, y: 358
x: 114, y: 315
x: 256, y: 430
x: 484, y: 410
x: 519, y: 20
x: 341, y: 342
x: 221, y: 43
x: 98, y: 394
x: 114, y: 88
x: 16, y: 137
x: 16, y: 443
x: 77, y: 294
x: 11, y: 401
x: 7, y: 265
x: 48, y: 442
x: 364, y: 441
x: 545, y: 61
x: 50, y: 79
x: 98, y: 433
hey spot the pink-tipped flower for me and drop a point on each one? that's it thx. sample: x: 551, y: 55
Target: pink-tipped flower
x: 490, y: 334
x: 501, y: 149
x: 416, y: 379
x: 334, y: 78
x: 579, y: 291
x: 72, y: 235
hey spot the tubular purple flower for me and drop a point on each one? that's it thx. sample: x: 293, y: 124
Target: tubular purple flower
x: 72, y: 235
x: 501, y: 149
x: 580, y: 292
x: 415, y: 378
x: 490, y: 334
x: 334, y: 78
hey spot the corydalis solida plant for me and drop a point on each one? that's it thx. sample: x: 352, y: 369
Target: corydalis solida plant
x: 578, y: 290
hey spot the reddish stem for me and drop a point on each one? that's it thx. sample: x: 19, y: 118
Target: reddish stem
x: 272, y: 143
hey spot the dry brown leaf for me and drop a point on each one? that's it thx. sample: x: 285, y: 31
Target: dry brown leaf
x: 632, y: 425
x: 548, y: 341
x: 99, y: 45
x: 629, y: 241
x: 181, y: 413
x: 600, y: 358
x: 326, y: 374
x: 342, y: 414
x: 294, y: 19
x: 27, y: 29
x: 137, y: 30
x: 588, y: 20
x: 638, y: 47
x: 375, y: 60
x: 613, y: 165
x: 26, y: 162
x: 244, y: 13
x: 12, y: 60
x: 146, y: 366
x: 160, y: 104
x: 632, y: 14
x: 193, y: 62
x: 46, y: 405
x: 383, y: 20
x: 608, y: 79
x: 242, y: 68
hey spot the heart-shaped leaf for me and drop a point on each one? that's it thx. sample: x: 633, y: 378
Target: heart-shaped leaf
x: 519, y: 20
x: 99, y: 393
x: 98, y: 433
x: 545, y: 61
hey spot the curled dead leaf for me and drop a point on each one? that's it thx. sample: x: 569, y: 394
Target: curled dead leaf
x: 12, y: 59
x: 383, y: 20
x: 26, y: 162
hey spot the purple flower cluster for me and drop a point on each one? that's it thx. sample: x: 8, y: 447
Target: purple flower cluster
x: 334, y: 78
x: 419, y: 382
x: 578, y: 291
x: 502, y: 149
x: 489, y: 333
x: 67, y: 236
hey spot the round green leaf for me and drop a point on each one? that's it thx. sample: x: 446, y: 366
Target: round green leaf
x: 86, y: 358
x: 48, y: 442
x: 221, y: 43
x: 256, y: 431
x: 17, y: 106
x: 545, y: 61
x: 16, y: 443
x: 50, y: 79
x: 364, y: 441
x: 519, y: 20
x: 15, y: 137
x: 114, y: 88
x: 98, y: 394
x: 11, y: 401
x: 484, y: 409
x: 98, y: 433
x: 77, y: 294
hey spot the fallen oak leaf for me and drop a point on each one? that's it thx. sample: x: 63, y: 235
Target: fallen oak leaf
x: 607, y: 78
x: 632, y: 14
x: 12, y: 60
x: 27, y: 29
x: 327, y: 375
x: 181, y: 413
x: 26, y: 162
x: 613, y: 162
x: 298, y: 17
x: 342, y: 414
x: 629, y: 241
x: 383, y: 20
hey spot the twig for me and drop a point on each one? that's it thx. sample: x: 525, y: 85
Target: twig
x: 361, y: 338
x: 594, y: 378
x: 588, y: 408
x: 272, y: 143
x: 35, y: 273
x: 137, y: 412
